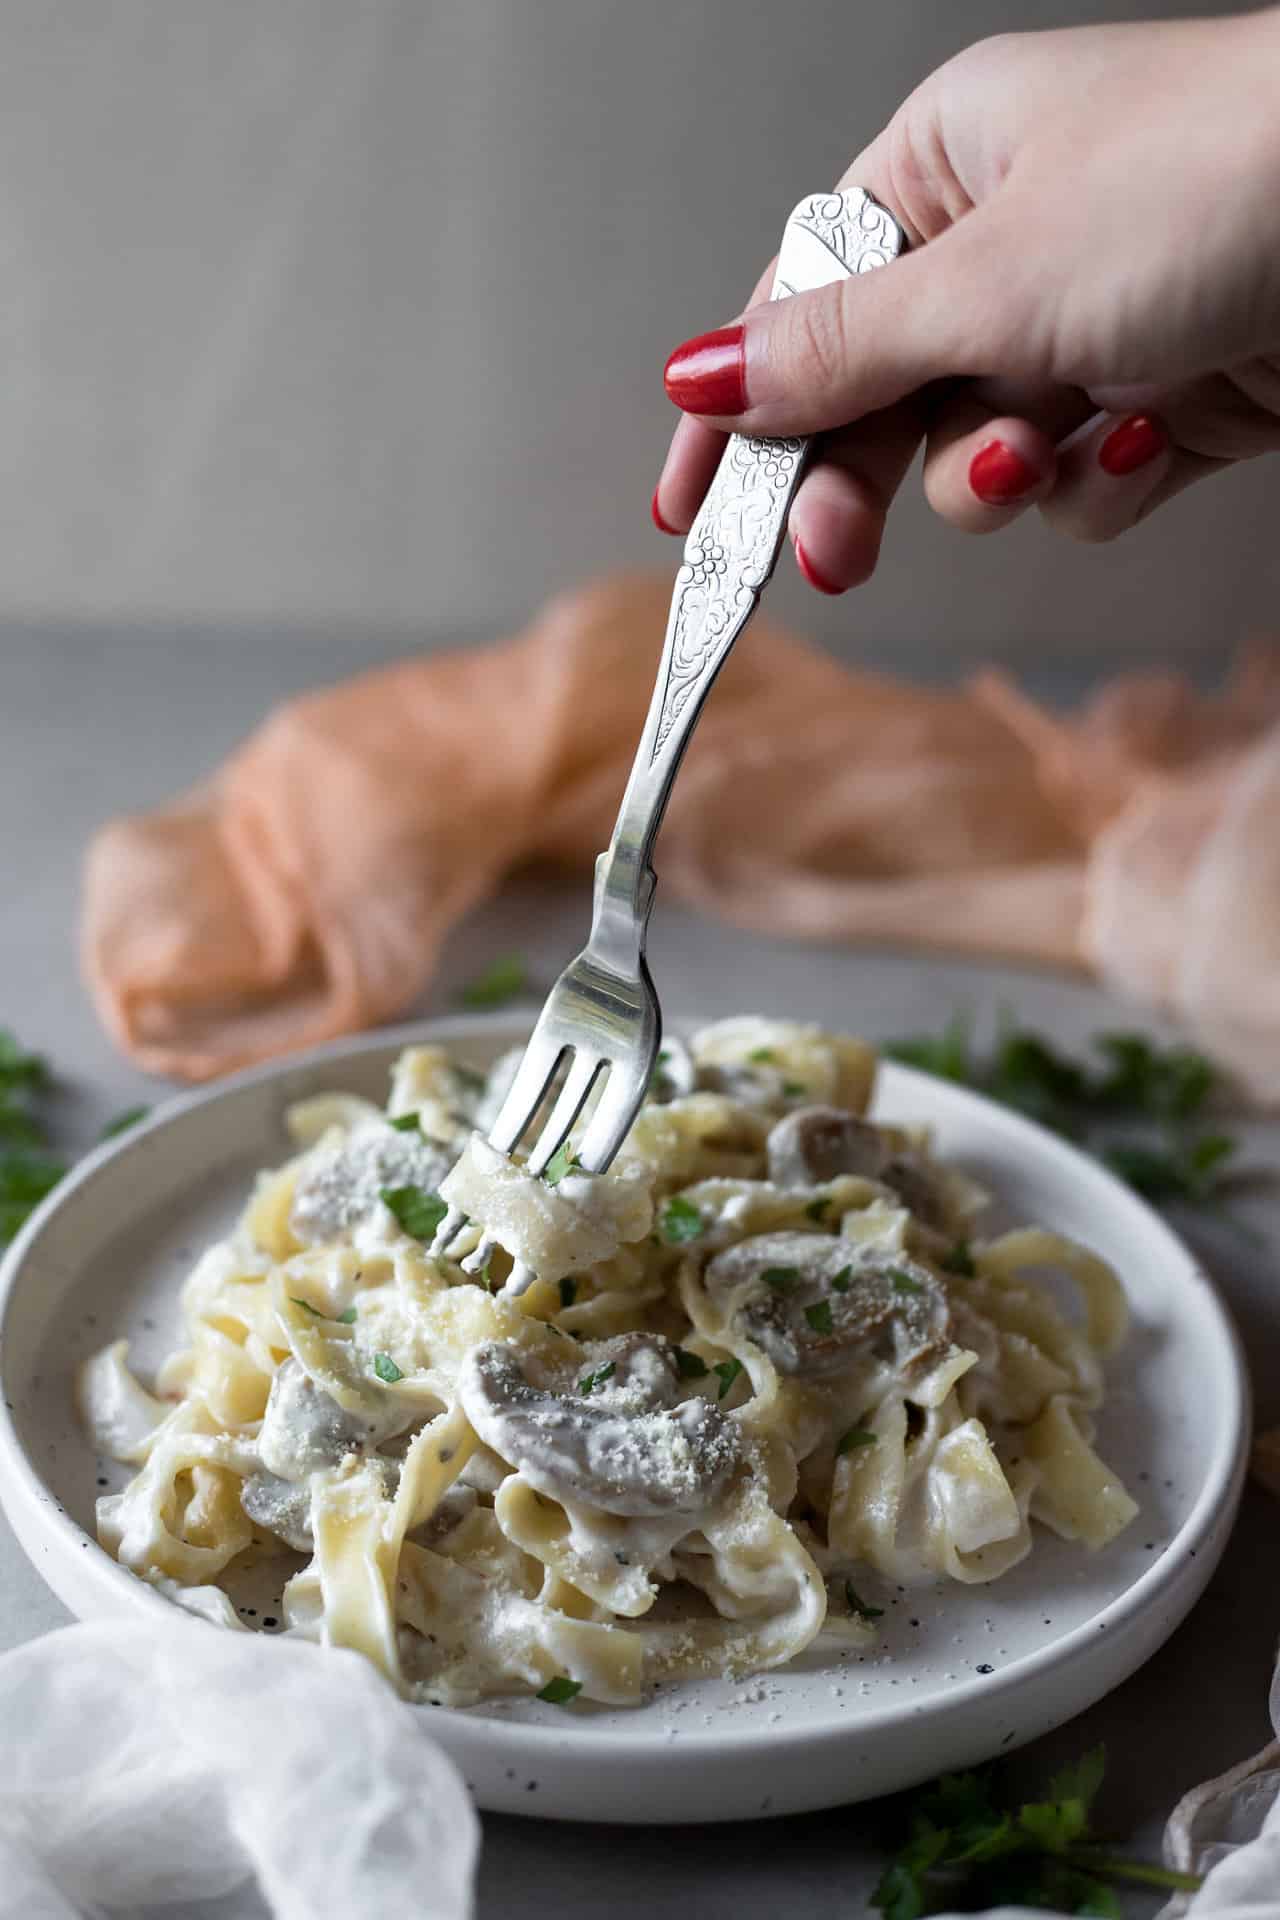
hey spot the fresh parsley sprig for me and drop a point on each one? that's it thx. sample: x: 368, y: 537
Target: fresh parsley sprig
x: 968, y: 1849
x: 27, y: 1170
x: 506, y: 979
x: 1135, y: 1104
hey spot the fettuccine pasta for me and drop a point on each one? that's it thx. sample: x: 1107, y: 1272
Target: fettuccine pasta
x: 766, y: 1357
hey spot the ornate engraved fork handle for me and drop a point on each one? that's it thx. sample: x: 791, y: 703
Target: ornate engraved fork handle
x: 728, y: 557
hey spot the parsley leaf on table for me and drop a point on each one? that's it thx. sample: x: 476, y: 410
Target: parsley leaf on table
x: 27, y: 1171
x: 966, y: 1848
x: 1134, y: 1103
x: 505, y: 980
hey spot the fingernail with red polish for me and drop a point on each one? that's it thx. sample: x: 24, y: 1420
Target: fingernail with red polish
x: 709, y: 374
x: 812, y: 575
x: 999, y: 476
x: 1132, y: 444
x: 658, y: 520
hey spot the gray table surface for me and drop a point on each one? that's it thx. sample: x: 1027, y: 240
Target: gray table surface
x: 91, y: 725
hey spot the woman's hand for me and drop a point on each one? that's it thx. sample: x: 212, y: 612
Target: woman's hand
x: 1089, y: 319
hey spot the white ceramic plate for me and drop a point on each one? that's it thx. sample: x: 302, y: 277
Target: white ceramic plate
x: 960, y: 1674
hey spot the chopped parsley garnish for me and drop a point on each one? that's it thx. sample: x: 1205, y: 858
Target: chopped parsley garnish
x: 794, y: 1090
x: 958, y: 1259
x: 1135, y: 1104
x: 386, y: 1369
x: 860, y: 1607
x: 967, y: 1848
x: 568, y: 1290
x: 590, y: 1381
x: 405, y: 1122
x: 121, y: 1122
x: 762, y: 1054
x: 560, y: 1691
x: 843, y: 1280
x: 561, y: 1162
x: 680, y: 1221
x: 816, y: 1208
x: 857, y: 1436
x: 418, y: 1210
x: 344, y: 1319
x: 819, y: 1317
x: 690, y: 1366
x: 780, y: 1279
x: 903, y: 1282
x: 726, y: 1371
x: 503, y: 981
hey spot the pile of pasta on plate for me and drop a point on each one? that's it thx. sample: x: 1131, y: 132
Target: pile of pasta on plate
x: 766, y: 1358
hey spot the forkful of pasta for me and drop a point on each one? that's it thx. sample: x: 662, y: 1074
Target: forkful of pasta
x: 601, y: 1026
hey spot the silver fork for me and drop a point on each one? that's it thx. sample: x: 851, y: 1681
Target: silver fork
x: 602, y: 1014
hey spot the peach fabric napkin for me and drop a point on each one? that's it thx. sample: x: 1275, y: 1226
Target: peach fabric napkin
x: 303, y: 892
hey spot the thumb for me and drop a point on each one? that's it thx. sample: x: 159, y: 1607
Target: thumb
x: 823, y: 359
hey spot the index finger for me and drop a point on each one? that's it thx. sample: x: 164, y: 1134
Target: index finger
x: 694, y: 453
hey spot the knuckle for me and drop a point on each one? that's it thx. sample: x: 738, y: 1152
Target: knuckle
x: 820, y: 340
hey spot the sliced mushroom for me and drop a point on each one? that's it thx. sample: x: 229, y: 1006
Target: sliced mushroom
x: 918, y: 1188
x: 620, y: 1444
x: 454, y: 1506
x: 342, y: 1185
x: 815, y: 1144
x: 815, y: 1303
x: 282, y: 1507
x: 304, y: 1427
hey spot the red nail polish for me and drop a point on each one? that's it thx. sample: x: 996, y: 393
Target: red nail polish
x: 709, y: 374
x: 999, y: 476
x: 658, y: 520
x: 812, y: 574
x: 1132, y: 444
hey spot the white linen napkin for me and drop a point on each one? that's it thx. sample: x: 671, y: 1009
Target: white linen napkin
x: 144, y: 1766
x: 148, y: 1767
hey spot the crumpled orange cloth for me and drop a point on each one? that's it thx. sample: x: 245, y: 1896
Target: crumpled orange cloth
x: 304, y: 891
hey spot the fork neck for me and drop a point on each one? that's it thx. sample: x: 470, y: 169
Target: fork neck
x: 624, y: 890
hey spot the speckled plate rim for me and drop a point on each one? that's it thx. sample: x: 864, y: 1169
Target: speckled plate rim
x: 1053, y: 1683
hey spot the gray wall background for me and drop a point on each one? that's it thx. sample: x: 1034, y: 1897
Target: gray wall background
x: 352, y: 313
